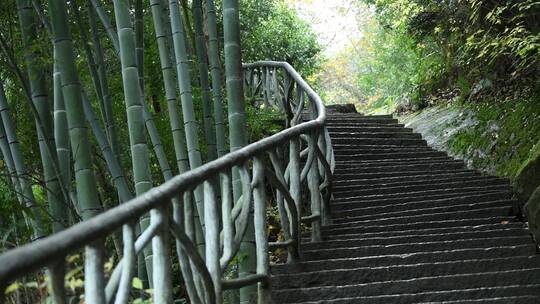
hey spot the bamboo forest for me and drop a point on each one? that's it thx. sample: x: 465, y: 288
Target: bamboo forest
x: 269, y: 151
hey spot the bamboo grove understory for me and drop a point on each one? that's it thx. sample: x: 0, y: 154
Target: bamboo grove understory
x: 93, y: 203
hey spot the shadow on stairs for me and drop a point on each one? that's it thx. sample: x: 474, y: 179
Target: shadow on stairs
x: 411, y: 225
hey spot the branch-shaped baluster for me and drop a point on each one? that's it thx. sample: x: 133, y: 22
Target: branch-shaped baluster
x: 325, y: 186
x: 143, y: 239
x: 261, y: 238
x: 266, y: 86
x: 195, y: 235
x: 128, y: 263
x: 297, y: 118
x: 185, y: 266
x: 243, y: 219
x: 226, y: 210
x: 258, y: 81
x: 277, y: 90
x: 198, y: 262
x: 284, y: 218
x: 288, y: 213
x: 288, y: 88
x: 310, y: 158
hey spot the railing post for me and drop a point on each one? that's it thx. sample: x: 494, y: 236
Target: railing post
x: 294, y: 180
x: 57, y: 271
x: 315, y: 193
x: 261, y: 237
x: 211, y: 216
x: 160, y: 260
x: 94, y: 279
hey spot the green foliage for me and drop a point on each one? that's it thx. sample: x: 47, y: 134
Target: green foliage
x: 449, y: 44
x: 272, y: 31
x: 262, y: 122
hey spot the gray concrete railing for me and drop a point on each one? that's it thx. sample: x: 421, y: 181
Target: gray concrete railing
x: 294, y: 166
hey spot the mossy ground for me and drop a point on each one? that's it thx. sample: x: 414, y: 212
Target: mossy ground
x: 504, y: 138
x: 498, y: 137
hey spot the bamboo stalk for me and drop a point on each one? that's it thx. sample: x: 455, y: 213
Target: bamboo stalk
x: 183, y: 78
x: 135, y: 110
x: 215, y: 69
x: 200, y: 47
x: 40, y: 99
x: 237, y: 124
x: 87, y: 197
x: 35, y: 222
x: 101, y: 70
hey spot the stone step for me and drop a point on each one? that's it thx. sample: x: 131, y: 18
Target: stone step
x: 360, y: 163
x: 430, y: 193
x: 432, y: 216
x: 378, y: 141
x: 375, y: 226
x: 404, y: 156
x: 359, y: 190
x: 428, y: 231
x: 373, y: 135
x: 436, y: 189
x: 413, y: 286
x: 406, y: 248
x: 412, y: 211
x: 361, y: 125
x: 369, y: 274
x: 396, y: 180
x: 399, y: 174
x: 361, y: 240
x: 343, y: 203
x: 345, y: 146
x: 356, y: 120
x: 370, y: 129
x: 352, y: 184
x: 372, y: 209
x: 514, y: 294
x: 375, y: 150
x: 378, y: 167
x: 338, y: 115
x: 386, y: 260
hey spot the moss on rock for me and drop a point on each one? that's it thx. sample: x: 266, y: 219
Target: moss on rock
x: 497, y: 137
x: 528, y: 177
x: 533, y: 213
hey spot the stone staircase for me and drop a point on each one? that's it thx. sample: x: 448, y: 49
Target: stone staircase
x: 411, y: 225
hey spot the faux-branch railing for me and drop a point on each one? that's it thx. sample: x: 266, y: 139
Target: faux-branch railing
x: 294, y: 166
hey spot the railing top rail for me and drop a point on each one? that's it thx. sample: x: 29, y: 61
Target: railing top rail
x: 41, y: 253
